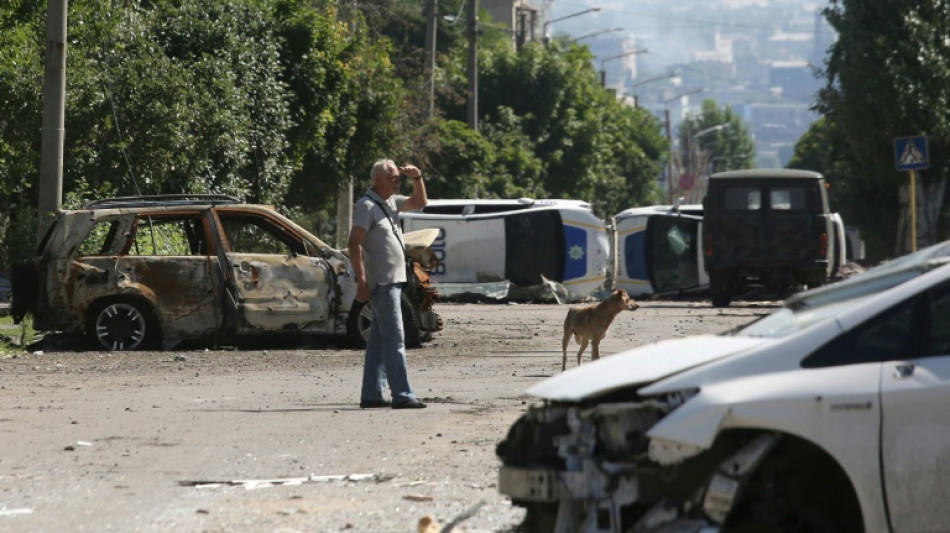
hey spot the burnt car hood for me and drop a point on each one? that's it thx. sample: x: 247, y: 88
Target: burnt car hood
x: 640, y: 366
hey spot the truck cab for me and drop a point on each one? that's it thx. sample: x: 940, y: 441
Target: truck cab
x: 771, y: 227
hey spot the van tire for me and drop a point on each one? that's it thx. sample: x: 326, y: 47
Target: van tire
x: 720, y: 290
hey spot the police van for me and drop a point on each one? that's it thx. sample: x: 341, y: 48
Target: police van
x: 518, y: 242
x: 658, y: 249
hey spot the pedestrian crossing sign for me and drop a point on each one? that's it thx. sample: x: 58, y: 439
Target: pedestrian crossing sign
x: 910, y: 153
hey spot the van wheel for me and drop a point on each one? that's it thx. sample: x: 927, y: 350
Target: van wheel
x: 122, y: 325
x: 361, y: 318
x: 720, y: 290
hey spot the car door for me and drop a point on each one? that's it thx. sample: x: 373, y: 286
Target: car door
x: 915, y: 439
x: 160, y: 257
x: 275, y: 284
x: 673, y: 253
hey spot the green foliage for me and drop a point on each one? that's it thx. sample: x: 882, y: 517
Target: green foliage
x: 555, y: 131
x: 888, y: 76
x: 715, y: 140
x: 345, y: 98
x: 15, y: 338
x: 17, y: 235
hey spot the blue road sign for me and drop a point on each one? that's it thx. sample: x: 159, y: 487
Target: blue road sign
x: 910, y: 153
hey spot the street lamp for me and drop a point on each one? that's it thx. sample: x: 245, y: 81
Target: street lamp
x: 691, y: 158
x: 603, y: 73
x: 669, y: 134
x: 594, y: 34
x: 544, y: 29
x: 650, y: 80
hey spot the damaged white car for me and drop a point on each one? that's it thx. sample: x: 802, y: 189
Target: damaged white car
x: 827, y: 416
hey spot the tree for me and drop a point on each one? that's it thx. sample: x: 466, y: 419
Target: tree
x: 586, y: 144
x: 712, y: 141
x: 818, y: 150
x: 888, y: 76
x: 241, y: 97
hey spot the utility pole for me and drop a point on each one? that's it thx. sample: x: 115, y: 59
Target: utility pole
x: 344, y: 195
x: 669, y: 139
x: 54, y: 112
x: 432, y: 17
x: 473, y: 64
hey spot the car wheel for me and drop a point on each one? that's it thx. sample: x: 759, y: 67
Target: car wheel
x: 358, y: 323
x: 361, y: 318
x: 122, y: 325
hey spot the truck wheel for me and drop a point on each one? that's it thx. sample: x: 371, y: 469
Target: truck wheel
x: 121, y: 325
x: 720, y: 290
x: 361, y: 318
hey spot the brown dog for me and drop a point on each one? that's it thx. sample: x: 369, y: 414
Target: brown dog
x: 589, y: 324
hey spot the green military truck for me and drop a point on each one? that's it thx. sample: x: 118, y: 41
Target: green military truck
x: 766, y: 226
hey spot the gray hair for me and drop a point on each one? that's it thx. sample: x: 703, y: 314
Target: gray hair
x: 381, y: 168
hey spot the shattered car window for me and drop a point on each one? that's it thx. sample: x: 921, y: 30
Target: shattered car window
x: 168, y: 237
x: 249, y: 235
x: 100, y: 237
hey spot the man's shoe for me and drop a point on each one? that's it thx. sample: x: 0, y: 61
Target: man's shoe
x: 411, y: 404
x: 374, y: 404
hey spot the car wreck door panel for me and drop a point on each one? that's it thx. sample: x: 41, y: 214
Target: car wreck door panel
x: 281, y: 292
x: 180, y: 287
x: 167, y: 259
x: 275, y: 284
x: 161, y: 259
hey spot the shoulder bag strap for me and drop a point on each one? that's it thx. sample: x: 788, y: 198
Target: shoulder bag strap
x: 391, y: 223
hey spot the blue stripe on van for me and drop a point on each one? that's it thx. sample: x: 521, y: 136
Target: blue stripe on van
x: 634, y: 254
x: 575, y: 252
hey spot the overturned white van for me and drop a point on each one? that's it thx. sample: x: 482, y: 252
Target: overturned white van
x: 522, y: 243
x: 657, y: 249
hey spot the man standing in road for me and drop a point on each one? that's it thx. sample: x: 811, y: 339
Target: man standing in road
x: 379, y: 263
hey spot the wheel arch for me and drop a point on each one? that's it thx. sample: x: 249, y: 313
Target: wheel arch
x: 798, y: 472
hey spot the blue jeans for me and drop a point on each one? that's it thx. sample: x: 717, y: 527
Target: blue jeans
x: 386, y: 348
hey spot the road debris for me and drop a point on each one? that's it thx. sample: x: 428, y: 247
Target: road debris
x: 251, y: 484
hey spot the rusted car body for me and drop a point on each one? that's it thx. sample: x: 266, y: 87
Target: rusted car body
x: 149, y: 271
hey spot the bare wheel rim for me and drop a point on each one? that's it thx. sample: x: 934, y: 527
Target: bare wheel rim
x: 365, y: 320
x: 120, y: 326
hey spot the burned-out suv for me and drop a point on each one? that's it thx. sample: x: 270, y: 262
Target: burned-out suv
x: 152, y: 271
x: 766, y: 226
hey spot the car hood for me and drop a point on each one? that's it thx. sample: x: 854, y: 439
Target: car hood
x: 640, y: 366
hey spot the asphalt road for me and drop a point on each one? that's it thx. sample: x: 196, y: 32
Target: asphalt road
x: 272, y: 439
